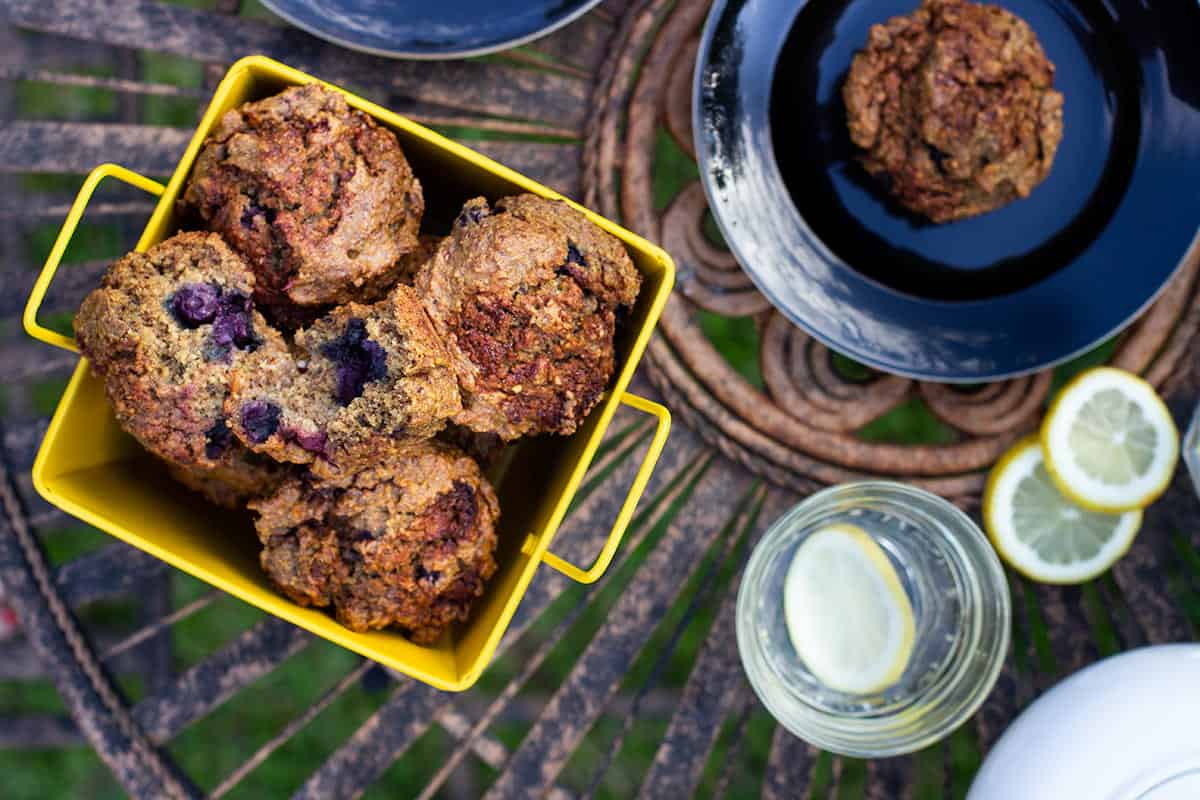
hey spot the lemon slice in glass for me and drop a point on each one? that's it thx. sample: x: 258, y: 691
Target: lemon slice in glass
x: 1109, y: 441
x: 847, y: 614
x: 1042, y: 533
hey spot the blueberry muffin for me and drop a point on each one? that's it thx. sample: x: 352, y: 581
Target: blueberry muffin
x: 955, y: 107
x: 317, y: 197
x: 406, y: 542
x: 358, y: 381
x: 526, y: 297
x: 163, y: 331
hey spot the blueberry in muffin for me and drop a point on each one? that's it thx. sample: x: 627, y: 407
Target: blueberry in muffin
x: 526, y: 297
x: 405, y: 542
x: 318, y: 198
x: 358, y: 381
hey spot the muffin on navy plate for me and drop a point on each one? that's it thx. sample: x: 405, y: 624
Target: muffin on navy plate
x: 954, y: 104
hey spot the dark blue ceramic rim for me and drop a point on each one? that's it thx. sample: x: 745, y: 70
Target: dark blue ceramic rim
x: 413, y: 40
x: 1106, y: 286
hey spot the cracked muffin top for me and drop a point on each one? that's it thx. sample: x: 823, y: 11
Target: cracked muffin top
x: 526, y: 297
x: 357, y: 382
x: 406, y: 542
x: 163, y: 331
x: 955, y: 107
x: 317, y: 197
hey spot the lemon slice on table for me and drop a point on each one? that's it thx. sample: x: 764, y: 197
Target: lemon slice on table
x: 1041, y: 532
x: 1109, y: 441
x: 847, y: 614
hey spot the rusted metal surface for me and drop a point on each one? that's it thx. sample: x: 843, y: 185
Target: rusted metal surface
x: 76, y: 147
x: 733, y: 761
x: 1142, y: 576
x: 376, y: 744
x: 789, y: 767
x: 889, y: 779
x: 37, y: 732
x: 585, y: 530
x: 112, y: 570
x: 790, y: 360
x: 600, y: 669
x: 580, y: 44
x: 1067, y: 627
x: 84, y: 686
x: 471, y: 85
x: 213, y: 681
x: 298, y: 723
x: 1000, y: 707
x: 20, y: 660
x: 711, y: 691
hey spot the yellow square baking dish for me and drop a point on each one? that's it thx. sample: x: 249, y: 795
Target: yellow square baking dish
x: 90, y: 468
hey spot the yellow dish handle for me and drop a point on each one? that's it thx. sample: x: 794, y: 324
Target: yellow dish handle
x: 605, y: 558
x: 32, y: 326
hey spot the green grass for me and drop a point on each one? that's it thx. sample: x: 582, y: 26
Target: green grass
x: 179, y: 112
x: 74, y: 772
x: 44, y: 394
x: 674, y: 169
x: 90, y: 241
x: 41, y: 101
x: 737, y: 340
x: 910, y: 422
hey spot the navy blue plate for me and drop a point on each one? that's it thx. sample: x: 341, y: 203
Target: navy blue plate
x: 1002, y: 294
x: 429, y: 28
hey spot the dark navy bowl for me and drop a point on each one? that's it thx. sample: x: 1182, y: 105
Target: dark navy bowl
x: 1002, y: 294
x: 429, y: 29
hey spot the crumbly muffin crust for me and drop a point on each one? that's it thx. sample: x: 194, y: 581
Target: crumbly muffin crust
x: 407, y: 542
x: 359, y: 381
x: 317, y: 197
x: 954, y: 104
x: 525, y: 297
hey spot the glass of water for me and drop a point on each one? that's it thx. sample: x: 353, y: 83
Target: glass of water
x: 961, y: 613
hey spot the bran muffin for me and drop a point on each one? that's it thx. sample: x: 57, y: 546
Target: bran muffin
x: 359, y: 380
x: 954, y: 105
x: 526, y: 298
x: 406, y: 542
x: 163, y: 331
x: 317, y: 197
